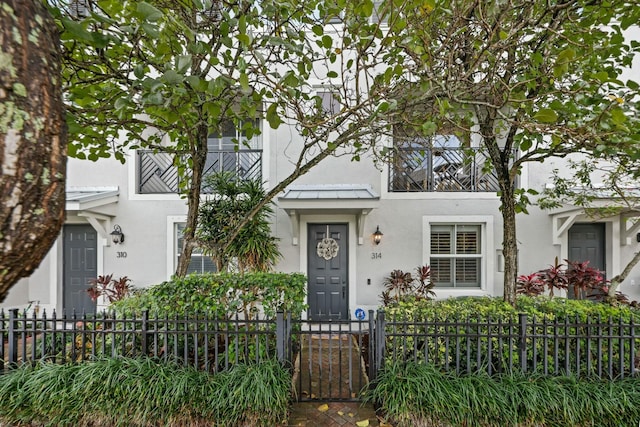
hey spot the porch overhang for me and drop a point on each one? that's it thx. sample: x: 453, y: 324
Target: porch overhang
x: 353, y: 199
x: 563, y: 218
x: 95, y: 204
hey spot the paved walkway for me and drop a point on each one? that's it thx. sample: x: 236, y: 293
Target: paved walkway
x: 332, y: 414
x: 330, y: 367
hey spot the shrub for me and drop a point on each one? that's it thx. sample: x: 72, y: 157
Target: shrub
x: 222, y: 295
x: 110, y: 288
x: 412, y: 394
x: 401, y: 286
x: 480, y: 333
x: 143, y: 392
x: 576, y: 277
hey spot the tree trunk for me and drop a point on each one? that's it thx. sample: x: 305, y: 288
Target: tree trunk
x: 509, y: 242
x: 616, y: 281
x: 33, y: 138
x: 193, y: 201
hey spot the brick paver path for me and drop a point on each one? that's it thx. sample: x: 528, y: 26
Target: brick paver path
x: 323, y: 373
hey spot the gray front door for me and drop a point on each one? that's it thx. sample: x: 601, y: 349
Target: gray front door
x: 328, y: 271
x: 587, y: 243
x: 80, y: 266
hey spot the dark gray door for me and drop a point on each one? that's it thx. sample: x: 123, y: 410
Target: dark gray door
x: 328, y: 271
x: 587, y: 243
x: 80, y: 266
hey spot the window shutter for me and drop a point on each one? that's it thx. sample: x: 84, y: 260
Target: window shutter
x: 468, y: 240
x: 441, y: 239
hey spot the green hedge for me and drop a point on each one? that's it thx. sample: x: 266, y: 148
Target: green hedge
x: 419, y: 395
x: 223, y: 294
x: 456, y: 334
x: 142, y: 392
x: 473, y: 307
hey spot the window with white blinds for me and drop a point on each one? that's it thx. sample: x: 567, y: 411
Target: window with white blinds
x: 199, y: 263
x: 456, y: 255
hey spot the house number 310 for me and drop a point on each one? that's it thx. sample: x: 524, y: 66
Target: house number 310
x: 121, y: 254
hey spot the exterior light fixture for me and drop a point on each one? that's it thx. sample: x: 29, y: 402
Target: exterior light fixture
x: 117, y: 235
x: 377, y: 235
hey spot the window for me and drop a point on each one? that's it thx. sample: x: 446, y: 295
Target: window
x: 158, y: 174
x: 199, y: 263
x: 456, y: 255
x: 444, y: 161
x: 235, y: 150
x: 330, y: 102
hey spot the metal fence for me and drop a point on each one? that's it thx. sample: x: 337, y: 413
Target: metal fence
x: 605, y: 348
x: 157, y: 172
x: 200, y: 341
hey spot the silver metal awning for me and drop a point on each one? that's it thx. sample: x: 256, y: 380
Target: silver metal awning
x: 355, y: 199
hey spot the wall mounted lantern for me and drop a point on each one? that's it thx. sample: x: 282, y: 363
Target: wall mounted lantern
x: 377, y: 235
x: 117, y: 235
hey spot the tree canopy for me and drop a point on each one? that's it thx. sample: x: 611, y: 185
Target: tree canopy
x: 165, y: 74
x: 534, y: 79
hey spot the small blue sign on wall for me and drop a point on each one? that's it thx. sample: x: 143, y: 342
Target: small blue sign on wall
x: 360, y: 314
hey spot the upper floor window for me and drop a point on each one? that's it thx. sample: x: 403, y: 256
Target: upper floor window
x: 444, y: 161
x: 234, y: 149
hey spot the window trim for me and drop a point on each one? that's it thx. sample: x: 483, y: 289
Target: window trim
x: 172, y: 243
x: 487, y: 251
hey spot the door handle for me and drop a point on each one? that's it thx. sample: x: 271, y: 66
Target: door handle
x: 344, y: 290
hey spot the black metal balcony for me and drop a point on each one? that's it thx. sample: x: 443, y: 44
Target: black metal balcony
x: 157, y: 173
x: 441, y: 170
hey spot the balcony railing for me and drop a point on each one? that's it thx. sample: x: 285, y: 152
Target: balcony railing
x: 441, y: 169
x: 157, y: 173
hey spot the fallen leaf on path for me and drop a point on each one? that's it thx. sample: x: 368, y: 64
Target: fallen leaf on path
x: 363, y: 423
x: 323, y: 408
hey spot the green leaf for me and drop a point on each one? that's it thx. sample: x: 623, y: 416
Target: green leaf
x: 525, y: 145
x: 273, y: 117
x: 503, y: 35
x: 546, y: 115
x: 149, y: 12
x: 327, y: 41
x: 318, y: 30
x: 76, y: 30
x: 151, y: 30
x: 171, y: 77
x: 602, y: 76
x: 617, y: 116
x: 332, y: 74
x: 244, y: 39
x: 367, y: 8
x: 244, y: 82
x: 183, y: 62
x: 193, y: 81
x: 138, y: 71
x: 566, y: 55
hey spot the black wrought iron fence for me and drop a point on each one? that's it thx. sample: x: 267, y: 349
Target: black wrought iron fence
x: 200, y: 341
x: 606, y: 348
x: 597, y: 347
